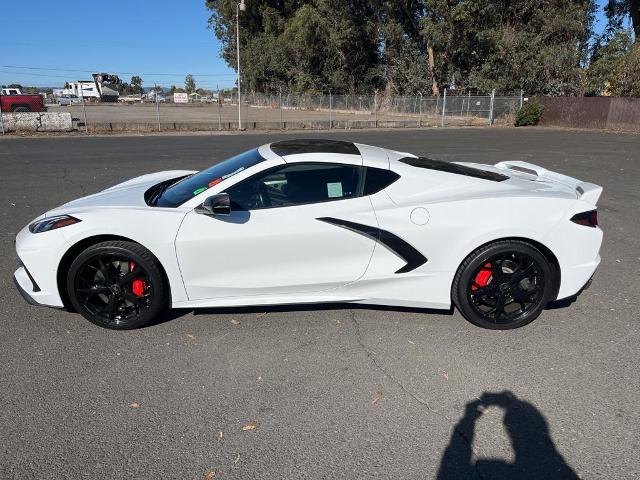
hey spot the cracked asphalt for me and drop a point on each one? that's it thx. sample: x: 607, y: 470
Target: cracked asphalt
x: 331, y: 391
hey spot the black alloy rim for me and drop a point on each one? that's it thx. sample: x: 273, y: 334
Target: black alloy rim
x: 506, y: 287
x: 113, y: 288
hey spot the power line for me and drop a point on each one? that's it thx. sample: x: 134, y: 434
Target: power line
x: 118, y: 73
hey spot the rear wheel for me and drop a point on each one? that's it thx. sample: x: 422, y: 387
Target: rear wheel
x: 21, y: 109
x: 117, y: 285
x: 503, y: 285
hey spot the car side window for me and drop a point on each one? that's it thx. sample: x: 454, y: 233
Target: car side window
x: 377, y: 179
x: 296, y: 184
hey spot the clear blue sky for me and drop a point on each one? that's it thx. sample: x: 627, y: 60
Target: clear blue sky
x: 141, y: 37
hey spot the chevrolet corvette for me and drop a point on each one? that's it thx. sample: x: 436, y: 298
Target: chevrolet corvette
x: 318, y: 221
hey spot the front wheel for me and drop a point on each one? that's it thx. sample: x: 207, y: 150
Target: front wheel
x: 117, y: 285
x: 503, y: 285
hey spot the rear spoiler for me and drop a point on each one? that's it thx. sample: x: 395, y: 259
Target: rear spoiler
x: 588, y: 192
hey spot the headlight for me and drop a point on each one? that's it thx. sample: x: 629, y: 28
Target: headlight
x: 52, y: 223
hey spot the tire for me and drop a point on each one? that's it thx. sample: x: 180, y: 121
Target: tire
x: 503, y: 285
x: 117, y: 285
x: 21, y: 109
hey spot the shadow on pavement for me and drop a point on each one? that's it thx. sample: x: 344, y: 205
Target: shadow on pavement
x: 312, y: 307
x: 535, y: 453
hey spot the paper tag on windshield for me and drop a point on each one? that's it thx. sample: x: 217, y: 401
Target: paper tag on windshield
x: 334, y: 190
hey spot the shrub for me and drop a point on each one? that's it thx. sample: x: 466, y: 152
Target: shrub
x: 528, y: 114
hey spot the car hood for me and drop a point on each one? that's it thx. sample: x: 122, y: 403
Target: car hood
x: 125, y: 194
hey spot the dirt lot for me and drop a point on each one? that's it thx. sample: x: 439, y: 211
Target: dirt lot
x: 214, y: 116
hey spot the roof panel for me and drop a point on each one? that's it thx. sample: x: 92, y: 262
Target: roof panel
x: 313, y: 145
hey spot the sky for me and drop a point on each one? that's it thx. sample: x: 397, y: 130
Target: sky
x: 49, y: 43
x: 142, y: 37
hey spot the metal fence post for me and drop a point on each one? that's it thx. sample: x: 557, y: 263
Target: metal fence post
x: 375, y: 106
x: 468, y: 103
x: 155, y: 89
x: 420, y: 110
x: 1, y: 119
x: 280, y: 102
x: 521, y: 97
x: 330, y: 111
x: 220, y: 102
x: 84, y: 110
x: 444, y: 106
x: 493, y: 96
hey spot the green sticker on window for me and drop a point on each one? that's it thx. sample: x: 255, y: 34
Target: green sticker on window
x: 334, y: 189
x: 198, y: 191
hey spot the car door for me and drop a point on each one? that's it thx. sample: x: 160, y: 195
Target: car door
x: 278, y: 240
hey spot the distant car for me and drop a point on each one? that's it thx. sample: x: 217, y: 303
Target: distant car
x: 66, y: 100
x: 130, y: 99
x: 314, y: 221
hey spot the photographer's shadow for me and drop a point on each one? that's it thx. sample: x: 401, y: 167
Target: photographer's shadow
x: 535, y: 454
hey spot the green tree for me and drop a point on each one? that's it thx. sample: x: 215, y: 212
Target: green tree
x: 136, y: 85
x: 618, y: 10
x: 190, y: 84
x: 407, y: 46
x: 607, y: 61
x: 626, y: 80
x: 175, y: 89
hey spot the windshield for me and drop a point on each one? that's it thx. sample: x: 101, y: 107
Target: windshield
x: 197, y: 183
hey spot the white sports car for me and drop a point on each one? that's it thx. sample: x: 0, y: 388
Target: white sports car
x: 312, y: 221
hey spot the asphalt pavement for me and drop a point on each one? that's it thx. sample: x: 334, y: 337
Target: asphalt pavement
x: 322, y: 391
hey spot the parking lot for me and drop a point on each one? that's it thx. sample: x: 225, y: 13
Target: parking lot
x: 323, y: 391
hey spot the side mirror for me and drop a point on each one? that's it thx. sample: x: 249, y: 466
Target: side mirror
x: 218, y: 204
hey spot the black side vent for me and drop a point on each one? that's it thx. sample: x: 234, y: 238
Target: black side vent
x: 431, y: 164
x: 313, y: 145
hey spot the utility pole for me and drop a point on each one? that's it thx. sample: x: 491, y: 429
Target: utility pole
x: 240, y: 6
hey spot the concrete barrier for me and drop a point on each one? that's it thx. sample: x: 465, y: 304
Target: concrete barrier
x: 37, y: 122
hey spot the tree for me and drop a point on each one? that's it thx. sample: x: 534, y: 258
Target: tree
x: 606, y: 62
x: 123, y: 88
x: 615, y: 67
x: 136, y: 85
x: 407, y: 46
x: 617, y: 10
x: 305, y: 46
x: 190, y: 84
x: 626, y: 78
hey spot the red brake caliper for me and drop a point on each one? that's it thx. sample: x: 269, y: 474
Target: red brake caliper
x: 482, y: 278
x: 138, y: 285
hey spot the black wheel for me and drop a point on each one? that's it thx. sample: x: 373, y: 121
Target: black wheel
x: 117, y: 285
x: 503, y: 285
x: 21, y: 109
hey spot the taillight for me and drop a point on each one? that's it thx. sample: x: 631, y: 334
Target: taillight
x: 588, y: 219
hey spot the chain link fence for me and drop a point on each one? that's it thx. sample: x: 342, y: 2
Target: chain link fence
x: 284, y: 111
